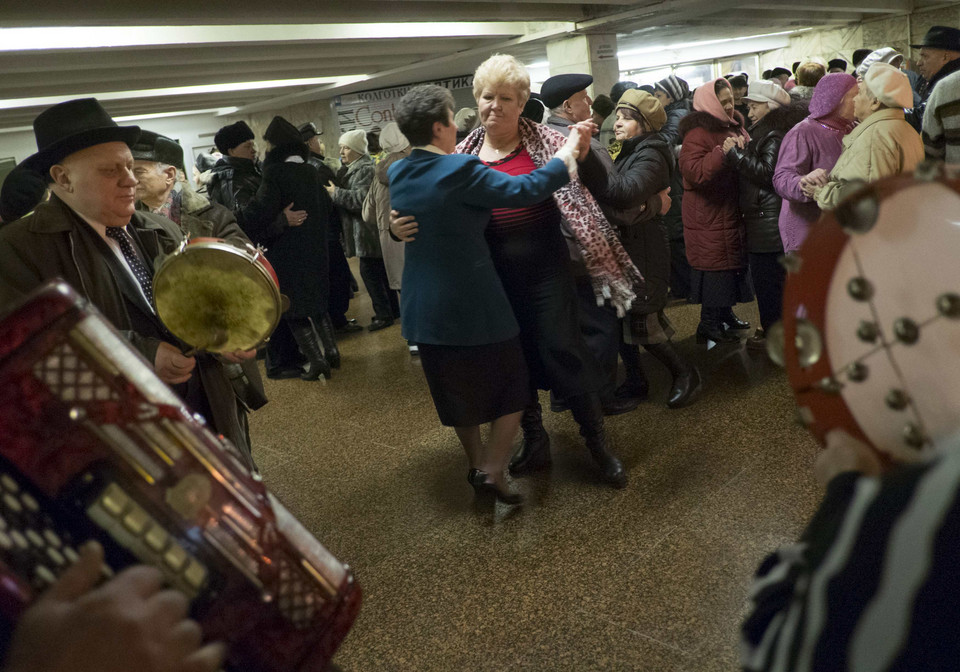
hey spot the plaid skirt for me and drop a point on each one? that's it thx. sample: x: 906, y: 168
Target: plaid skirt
x: 647, y: 328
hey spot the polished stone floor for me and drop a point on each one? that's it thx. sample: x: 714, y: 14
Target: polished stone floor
x: 650, y: 578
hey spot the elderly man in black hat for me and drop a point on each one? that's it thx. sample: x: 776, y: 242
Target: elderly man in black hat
x: 939, y: 57
x: 324, y: 165
x: 90, y: 234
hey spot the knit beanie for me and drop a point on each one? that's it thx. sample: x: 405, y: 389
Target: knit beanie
x: 230, y: 136
x: 392, y: 140
x: 889, y: 85
x: 674, y: 87
x: 646, y: 105
x: 828, y: 93
x: 355, y: 140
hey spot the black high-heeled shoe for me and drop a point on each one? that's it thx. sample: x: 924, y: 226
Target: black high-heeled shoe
x: 707, y: 333
x: 733, y: 323
x: 483, y: 487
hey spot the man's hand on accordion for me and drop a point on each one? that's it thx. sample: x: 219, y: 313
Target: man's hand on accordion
x: 130, y: 623
x: 172, y: 366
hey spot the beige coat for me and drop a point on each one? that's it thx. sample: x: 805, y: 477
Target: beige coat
x: 883, y: 145
x: 376, y: 210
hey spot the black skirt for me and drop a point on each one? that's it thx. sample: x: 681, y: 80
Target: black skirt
x: 720, y: 289
x: 475, y: 384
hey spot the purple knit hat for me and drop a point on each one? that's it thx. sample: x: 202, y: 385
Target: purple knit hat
x: 828, y: 93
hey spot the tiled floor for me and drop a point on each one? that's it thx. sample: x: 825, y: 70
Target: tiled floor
x: 650, y: 578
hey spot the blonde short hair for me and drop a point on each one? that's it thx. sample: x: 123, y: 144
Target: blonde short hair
x: 502, y: 70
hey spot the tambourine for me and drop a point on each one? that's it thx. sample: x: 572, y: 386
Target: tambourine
x: 870, y: 336
x: 217, y: 297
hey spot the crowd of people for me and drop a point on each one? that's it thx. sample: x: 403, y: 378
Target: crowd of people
x: 527, y: 244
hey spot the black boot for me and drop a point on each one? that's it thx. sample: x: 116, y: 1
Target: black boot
x: 636, y: 385
x: 309, y: 344
x: 329, y: 339
x: 731, y: 321
x: 534, y: 453
x: 588, y: 414
x: 711, y: 330
x: 687, y: 384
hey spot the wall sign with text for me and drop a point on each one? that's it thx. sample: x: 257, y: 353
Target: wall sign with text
x: 367, y: 110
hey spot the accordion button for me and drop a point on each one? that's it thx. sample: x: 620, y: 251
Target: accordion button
x: 6, y: 543
x: 56, y: 557
x: 136, y: 520
x: 52, y: 538
x: 9, y: 484
x: 36, y: 539
x: 157, y: 538
x: 30, y: 502
x: 175, y: 557
x: 12, y: 503
x: 114, y: 500
x: 71, y: 554
x: 19, y: 540
x: 45, y: 575
x: 3, y: 523
x: 195, y: 574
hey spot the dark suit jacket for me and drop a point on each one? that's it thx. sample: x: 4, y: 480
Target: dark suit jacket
x: 452, y: 294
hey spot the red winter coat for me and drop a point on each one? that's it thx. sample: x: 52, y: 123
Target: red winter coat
x: 712, y: 229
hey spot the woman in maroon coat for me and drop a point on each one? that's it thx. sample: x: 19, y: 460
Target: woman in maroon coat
x: 711, y: 222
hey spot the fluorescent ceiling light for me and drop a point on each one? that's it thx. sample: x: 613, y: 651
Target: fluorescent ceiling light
x: 12, y: 103
x: 690, y: 45
x: 98, y: 37
x: 219, y: 111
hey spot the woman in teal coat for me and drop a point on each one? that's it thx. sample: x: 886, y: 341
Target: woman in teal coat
x: 453, y: 304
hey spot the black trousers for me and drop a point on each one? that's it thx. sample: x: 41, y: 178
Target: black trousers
x: 340, y: 278
x: 282, y: 350
x: 679, y: 269
x: 769, y: 277
x: 374, y: 274
x: 600, y: 327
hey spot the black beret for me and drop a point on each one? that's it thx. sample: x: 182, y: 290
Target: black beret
x: 533, y: 110
x: 230, y: 136
x: 859, y: 55
x: 767, y: 74
x: 22, y: 191
x: 776, y: 72
x: 560, y: 87
x: 838, y: 63
x: 155, y: 147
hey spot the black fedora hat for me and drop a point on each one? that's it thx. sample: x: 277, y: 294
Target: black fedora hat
x: 940, y: 37
x: 69, y: 127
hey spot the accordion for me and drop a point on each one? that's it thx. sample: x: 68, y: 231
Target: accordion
x: 94, y: 446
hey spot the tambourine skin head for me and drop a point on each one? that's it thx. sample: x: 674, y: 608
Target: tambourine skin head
x: 879, y: 286
x: 217, y: 297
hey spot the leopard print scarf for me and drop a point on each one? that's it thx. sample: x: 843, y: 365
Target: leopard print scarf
x: 612, y: 274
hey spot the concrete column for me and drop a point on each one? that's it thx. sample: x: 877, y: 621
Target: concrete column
x: 592, y: 54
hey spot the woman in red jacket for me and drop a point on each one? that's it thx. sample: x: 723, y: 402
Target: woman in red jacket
x: 712, y: 228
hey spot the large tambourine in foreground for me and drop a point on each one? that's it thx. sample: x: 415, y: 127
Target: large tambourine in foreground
x: 870, y: 336
x: 217, y: 297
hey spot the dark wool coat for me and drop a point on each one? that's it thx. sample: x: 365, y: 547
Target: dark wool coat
x: 711, y: 219
x: 643, y: 168
x: 670, y: 133
x: 54, y: 242
x: 298, y: 253
x: 233, y: 182
x: 759, y: 202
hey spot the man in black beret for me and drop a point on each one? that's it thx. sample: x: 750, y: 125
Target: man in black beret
x: 859, y: 55
x: 836, y: 65
x: 782, y: 75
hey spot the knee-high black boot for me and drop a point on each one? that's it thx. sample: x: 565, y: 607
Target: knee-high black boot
x: 309, y: 344
x: 711, y: 327
x: 687, y: 383
x: 636, y: 385
x: 589, y: 415
x: 534, y: 453
x: 329, y: 339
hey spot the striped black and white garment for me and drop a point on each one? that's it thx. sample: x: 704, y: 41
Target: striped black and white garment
x: 941, y: 121
x: 873, y: 584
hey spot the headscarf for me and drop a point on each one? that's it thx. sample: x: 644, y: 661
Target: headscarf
x: 392, y: 140
x: 828, y: 93
x: 612, y: 274
x: 705, y: 100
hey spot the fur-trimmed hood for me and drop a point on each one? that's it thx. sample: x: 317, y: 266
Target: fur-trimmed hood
x: 709, y: 122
